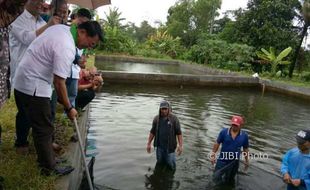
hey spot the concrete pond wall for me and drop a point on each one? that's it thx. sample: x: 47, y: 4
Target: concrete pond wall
x: 205, y: 77
x: 74, y: 157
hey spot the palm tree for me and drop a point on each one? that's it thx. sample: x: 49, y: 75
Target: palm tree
x: 306, y: 16
x: 114, y: 18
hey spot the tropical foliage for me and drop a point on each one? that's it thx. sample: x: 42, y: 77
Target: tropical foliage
x: 276, y: 61
x: 237, y: 41
x: 162, y: 42
x: 221, y: 54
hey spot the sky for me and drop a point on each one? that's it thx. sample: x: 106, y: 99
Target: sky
x: 137, y: 11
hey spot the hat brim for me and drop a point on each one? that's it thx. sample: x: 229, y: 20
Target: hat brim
x: 164, y: 107
x: 234, y: 123
x: 300, y: 140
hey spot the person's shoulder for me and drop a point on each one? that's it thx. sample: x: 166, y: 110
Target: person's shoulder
x: 292, y: 151
x: 21, y: 19
x: 60, y: 33
x: 60, y: 27
x: 156, y: 118
x: 224, y: 130
x: 173, y: 116
x: 243, y: 132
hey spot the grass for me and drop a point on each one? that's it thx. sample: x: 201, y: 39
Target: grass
x: 21, y: 172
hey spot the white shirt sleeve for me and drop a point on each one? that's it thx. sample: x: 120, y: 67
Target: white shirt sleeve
x: 23, y: 35
x: 63, y: 58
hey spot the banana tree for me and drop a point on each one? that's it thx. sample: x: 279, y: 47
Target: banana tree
x: 271, y: 58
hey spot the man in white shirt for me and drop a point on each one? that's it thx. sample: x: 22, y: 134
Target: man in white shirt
x: 82, y: 15
x: 48, y: 60
x: 25, y: 29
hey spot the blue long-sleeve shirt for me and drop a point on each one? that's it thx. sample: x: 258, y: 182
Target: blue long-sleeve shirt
x: 297, y: 165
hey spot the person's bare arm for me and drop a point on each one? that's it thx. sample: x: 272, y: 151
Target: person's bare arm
x: 52, y: 21
x: 149, y: 143
x: 246, y: 155
x: 214, y: 150
x: 61, y: 89
x: 180, y: 146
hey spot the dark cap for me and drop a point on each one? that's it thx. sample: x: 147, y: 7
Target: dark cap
x: 303, y: 136
x: 164, y: 104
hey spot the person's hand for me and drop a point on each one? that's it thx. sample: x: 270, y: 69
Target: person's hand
x: 246, y: 165
x: 95, y: 84
x: 212, y: 158
x: 287, y: 178
x: 296, y: 182
x: 54, y: 20
x: 148, y: 147
x: 98, y: 78
x: 72, y: 114
x: 179, y: 150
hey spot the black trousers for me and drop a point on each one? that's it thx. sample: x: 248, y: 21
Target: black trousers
x: 37, y: 111
x: 22, y: 123
x: 225, y: 172
x: 84, y: 97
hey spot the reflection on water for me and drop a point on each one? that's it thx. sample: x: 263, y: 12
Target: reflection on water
x: 121, y: 117
x: 143, y: 67
x: 161, y: 178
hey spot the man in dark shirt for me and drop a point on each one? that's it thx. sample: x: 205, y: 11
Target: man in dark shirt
x: 166, y: 129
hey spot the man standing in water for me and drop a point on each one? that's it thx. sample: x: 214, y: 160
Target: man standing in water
x: 232, y: 139
x: 166, y: 129
x: 295, y: 166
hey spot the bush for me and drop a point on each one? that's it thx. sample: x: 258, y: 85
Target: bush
x: 221, y: 54
x: 165, y: 44
x: 305, y: 76
x: 116, y: 41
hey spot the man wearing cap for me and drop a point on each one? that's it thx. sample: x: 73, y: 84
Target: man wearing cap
x: 232, y: 139
x: 295, y: 166
x: 166, y: 129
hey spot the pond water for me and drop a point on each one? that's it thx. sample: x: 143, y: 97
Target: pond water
x: 121, y: 117
x: 143, y: 67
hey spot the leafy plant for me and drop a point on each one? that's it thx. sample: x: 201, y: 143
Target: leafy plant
x: 220, y: 54
x: 270, y: 57
x: 164, y: 43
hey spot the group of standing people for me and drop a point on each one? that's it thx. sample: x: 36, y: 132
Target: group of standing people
x: 42, y: 57
x: 167, y: 135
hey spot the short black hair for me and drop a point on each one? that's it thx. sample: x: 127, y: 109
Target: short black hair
x: 82, y: 12
x: 92, y: 28
x: 72, y: 16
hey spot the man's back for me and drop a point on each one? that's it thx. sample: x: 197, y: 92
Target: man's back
x: 51, y: 53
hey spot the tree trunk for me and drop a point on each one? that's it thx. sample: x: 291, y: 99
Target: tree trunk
x: 294, y: 61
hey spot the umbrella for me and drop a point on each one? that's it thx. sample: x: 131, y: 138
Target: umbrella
x: 91, y: 4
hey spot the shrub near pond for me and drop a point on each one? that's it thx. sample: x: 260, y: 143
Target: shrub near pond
x: 221, y: 54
